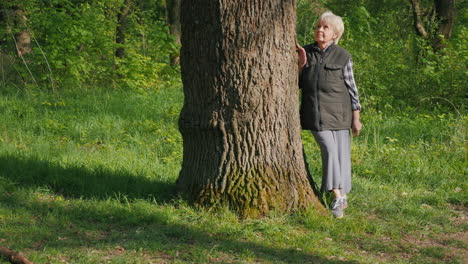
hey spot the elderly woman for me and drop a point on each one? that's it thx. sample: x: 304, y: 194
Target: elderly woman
x: 330, y: 105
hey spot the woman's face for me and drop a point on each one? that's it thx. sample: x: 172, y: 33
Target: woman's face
x: 324, y: 33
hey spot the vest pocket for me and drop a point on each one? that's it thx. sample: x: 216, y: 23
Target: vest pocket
x: 332, y: 113
x: 333, y: 78
x: 330, y: 66
x: 333, y: 72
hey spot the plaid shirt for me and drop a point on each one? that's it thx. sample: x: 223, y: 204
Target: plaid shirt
x: 351, y: 85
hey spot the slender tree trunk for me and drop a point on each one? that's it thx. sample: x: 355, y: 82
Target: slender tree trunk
x: 22, y: 37
x: 3, y: 24
x: 173, y: 16
x: 445, y: 11
x: 240, y: 119
x: 418, y: 24
x: 23, y: 43
x: 121, y: 28
x: 445, y: 14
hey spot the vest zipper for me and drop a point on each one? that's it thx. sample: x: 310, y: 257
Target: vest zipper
x: 317, y: 98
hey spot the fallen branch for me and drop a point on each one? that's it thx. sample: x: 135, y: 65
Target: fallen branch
x: 13, y: 256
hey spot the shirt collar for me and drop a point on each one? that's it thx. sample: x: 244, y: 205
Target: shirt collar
x: 316, y: 47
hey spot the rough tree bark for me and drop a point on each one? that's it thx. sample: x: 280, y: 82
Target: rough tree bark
x: 240, y: 119
x: 121, y: 28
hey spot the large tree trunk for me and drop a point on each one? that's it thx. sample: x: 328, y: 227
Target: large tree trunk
x: 240, y: 119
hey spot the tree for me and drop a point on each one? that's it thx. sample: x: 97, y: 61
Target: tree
x: 173, y: 20
x: 445, y: 11
x: 23, y: 38
x: 16, y: 14
x: 240, y: 120
x: 122, y: 18
x: 445, y: 17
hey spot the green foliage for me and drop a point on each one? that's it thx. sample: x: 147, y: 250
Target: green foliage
x: 76, y: 39
x: 307, y: 13
x: 74, y: 46
x: 148, y: 49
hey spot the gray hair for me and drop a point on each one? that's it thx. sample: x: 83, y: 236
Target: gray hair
x: 335, y: 21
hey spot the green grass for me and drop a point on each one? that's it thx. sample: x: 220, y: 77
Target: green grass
x: 89, y: 178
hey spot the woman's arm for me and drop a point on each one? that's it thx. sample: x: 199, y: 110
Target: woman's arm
x: 348, y: 75
x: 353, y: 92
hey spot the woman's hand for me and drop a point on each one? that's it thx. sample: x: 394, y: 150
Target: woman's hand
x: 356, y: 125
x: 301, y: 54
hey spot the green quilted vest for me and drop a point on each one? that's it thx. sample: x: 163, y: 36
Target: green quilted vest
x: 325, y: 102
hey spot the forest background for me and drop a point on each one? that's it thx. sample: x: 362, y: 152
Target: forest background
x: 89, y: 148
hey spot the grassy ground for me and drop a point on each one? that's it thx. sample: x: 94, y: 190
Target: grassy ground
x: 89, y: 178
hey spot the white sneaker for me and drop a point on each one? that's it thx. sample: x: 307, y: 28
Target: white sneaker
x: 345, y: 201
x: 337, y: 208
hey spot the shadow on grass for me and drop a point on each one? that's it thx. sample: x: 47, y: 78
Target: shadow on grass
x: 139, y: 231
x: 80, y: 182
x: 105, y: 225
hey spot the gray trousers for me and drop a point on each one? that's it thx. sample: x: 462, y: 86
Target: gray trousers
x: 335, y: 147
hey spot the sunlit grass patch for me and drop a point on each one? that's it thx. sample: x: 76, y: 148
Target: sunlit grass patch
x: 91, y: 179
